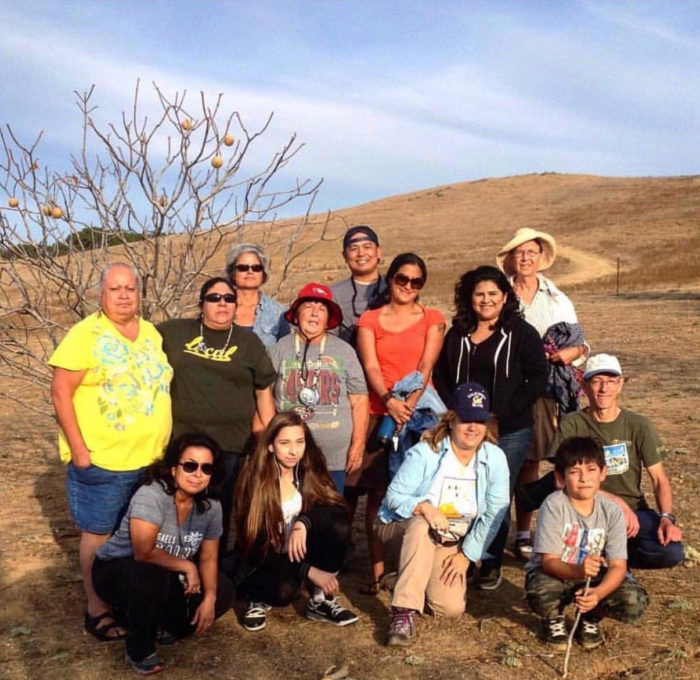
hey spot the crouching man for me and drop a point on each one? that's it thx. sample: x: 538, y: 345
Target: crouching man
x: 630, y: 444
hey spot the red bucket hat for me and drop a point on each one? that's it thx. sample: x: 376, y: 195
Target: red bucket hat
x: 321, y: 293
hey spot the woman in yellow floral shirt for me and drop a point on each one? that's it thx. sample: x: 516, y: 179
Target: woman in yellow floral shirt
x: 111, y: 393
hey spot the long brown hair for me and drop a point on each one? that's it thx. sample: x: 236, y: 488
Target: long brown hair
x: 442, y: 430
x: 259, y: 520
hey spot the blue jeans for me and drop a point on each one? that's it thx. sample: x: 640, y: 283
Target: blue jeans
x: 515, y: 445
x: 338, y: 477
x: 98, y: 498
x: 645, y: 551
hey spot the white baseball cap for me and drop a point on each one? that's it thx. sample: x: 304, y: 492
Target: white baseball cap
x: 602, y: 363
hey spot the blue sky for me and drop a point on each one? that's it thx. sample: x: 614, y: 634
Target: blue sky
x: 388, y: 96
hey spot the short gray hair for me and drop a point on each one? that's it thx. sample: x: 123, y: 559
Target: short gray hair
x: 241, y: 249
x: 113, y: 265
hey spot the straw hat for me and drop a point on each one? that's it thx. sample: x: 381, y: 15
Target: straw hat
x: 549, y: 248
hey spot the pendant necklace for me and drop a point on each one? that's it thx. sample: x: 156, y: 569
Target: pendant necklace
x: 203, y: 347
x: 308, y: 396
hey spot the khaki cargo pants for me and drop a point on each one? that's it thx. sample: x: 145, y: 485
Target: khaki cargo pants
x: 420, y: 566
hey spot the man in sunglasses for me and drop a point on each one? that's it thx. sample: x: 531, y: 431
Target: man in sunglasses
x: 363, y: 290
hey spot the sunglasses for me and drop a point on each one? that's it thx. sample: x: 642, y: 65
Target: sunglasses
x: 257, y: 268
x: 403, y: 280
x: 228, y: 298
x: 190, y: 466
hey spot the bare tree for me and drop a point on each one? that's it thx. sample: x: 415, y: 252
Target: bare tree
x: 162, y: 194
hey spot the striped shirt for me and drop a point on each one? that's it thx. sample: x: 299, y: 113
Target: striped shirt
x: 549, y: 306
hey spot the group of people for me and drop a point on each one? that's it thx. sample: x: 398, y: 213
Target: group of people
x: 224, y: 455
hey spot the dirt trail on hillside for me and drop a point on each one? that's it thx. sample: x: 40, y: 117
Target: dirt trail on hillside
x: 585, y: 266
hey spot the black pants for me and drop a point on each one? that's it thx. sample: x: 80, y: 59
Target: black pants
x: 276, y: 580
x: 229, y: 466
x: 147, y: 596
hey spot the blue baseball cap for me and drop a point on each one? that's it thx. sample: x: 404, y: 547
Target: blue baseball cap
x: 470, y: 402
x: 360, y: 232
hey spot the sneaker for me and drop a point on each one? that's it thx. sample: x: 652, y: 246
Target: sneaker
x: 554, y: 632
x: 489, y: 578
x: 402, y: 628
x: 330, y: 611
x: 588, y: 633
x: 255, y: 617
x: 148, y: 666
x: 523, y: 548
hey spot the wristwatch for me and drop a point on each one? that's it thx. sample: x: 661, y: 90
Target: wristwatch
x: 668, y: 515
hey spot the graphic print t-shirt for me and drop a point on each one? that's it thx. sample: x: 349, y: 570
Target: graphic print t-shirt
x: 151, y: 504
x: 561, y: 530
x: 214, y: 385
x: 123, y: 402
x: 629, y: 443
x: 453, y: 492
x: 335, y: 373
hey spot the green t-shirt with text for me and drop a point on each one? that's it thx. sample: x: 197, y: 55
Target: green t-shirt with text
x: 213, y: 390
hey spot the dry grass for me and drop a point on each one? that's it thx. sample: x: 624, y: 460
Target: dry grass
x: 653, y: 330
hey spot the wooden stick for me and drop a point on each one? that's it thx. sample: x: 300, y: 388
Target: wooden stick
x: 570, y: 641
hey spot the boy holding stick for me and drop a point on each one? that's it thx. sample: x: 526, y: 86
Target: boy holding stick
x: 581, y: 535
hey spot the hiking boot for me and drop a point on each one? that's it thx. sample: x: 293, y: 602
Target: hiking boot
x: 588, y: 633
x: 402, y: 628
x: 554, y: 632
x: 489, y: 578
x: 330, y: 611
x: 255, y: 617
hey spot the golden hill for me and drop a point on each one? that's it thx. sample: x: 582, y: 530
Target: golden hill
x: 652, y: 224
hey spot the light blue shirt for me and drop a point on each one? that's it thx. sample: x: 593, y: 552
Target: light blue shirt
x: 270, y: 324
x: 411, y: 485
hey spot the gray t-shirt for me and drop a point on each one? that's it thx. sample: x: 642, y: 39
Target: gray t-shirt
x: 353, y: 301
x: 331, y: 375
x: 152, y: 504
x: 563, y: 531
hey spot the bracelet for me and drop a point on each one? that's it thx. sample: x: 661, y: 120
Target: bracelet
x: 385, y: 397
x: 668, y: 515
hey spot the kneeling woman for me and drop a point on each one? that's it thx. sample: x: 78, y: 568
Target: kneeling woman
x: 292, y: 526
x: 445, y: 504
x: 159, y: 570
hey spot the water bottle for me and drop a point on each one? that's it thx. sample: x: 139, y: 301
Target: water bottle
x: 387, y: 429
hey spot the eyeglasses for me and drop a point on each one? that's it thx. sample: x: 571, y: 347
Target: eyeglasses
x: 190, y: 466
x: 257, y: 268
x: 402, y: 280
x: 599, y: 383
x: 526, y: 254
x: 228, y: 298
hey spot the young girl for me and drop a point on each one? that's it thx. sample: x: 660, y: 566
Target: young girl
x: 292, y: 526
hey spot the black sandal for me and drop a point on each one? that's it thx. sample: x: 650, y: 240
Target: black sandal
x: 370, y: 588
x: 101, y: 633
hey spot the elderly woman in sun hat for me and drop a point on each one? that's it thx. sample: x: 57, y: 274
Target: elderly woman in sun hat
x: 523, y: 259
x: 320, y: 378
x: 247, y: 269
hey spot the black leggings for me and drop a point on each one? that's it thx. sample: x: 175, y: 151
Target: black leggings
x: 276, y: 580
x: 147, y: 596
